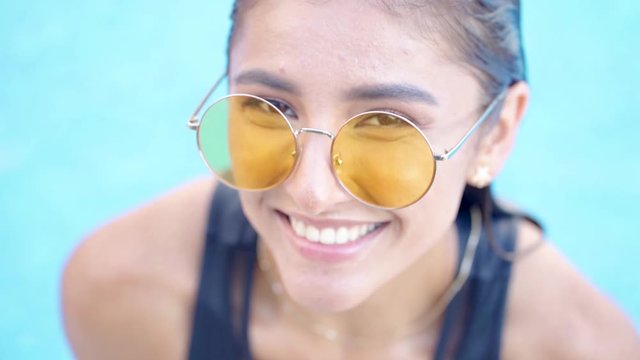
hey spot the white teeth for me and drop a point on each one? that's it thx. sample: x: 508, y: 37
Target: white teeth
x: 342, y: 236
x: 312, y: 234
x: 330, y: 236
x: 298, y: 227
x: 354, y: 233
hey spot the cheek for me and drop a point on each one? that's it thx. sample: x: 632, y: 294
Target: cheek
x: 449, y: 185
x: 429, y: 219
x: 256, y: 212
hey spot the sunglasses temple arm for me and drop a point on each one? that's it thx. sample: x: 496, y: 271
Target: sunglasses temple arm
x: 194, y: 121
x: 452, y: 151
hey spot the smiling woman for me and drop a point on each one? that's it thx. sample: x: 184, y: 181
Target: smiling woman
x: 340, y: 224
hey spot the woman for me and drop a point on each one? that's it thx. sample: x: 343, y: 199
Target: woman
x: 344, y: 242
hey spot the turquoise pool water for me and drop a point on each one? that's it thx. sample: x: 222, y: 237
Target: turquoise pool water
x: 94, y: 96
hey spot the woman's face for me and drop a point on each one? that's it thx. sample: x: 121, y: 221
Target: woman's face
x: 326, y: 62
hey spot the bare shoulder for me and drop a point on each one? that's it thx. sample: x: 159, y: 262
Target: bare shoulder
x: 554, y: 313
x: 127, y: 290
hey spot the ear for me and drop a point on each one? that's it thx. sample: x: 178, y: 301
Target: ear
x: 497, y: 140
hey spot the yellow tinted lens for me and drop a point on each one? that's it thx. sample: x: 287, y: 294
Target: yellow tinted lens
x: 247, y: 142
x: 383, y: 160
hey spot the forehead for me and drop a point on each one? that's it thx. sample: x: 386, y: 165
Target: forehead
x: 329, y: 46
x: 349, y: 35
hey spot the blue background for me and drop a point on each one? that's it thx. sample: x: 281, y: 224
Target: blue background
x: 94, y: 98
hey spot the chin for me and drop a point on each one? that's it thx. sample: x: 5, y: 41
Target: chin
x: 325, y: 292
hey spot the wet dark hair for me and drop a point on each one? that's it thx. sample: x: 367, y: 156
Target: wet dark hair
x: 483, y: 35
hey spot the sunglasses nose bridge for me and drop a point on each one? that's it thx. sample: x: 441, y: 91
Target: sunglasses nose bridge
x: 314, y: 131
x: 300, y: 131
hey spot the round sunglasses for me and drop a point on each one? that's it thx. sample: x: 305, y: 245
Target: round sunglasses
x: 382, y: 159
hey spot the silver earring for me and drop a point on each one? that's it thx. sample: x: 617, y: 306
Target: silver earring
x: 481, y: 178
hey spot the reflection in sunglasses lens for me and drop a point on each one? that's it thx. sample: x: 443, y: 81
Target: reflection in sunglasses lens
x: 383, y: 160
x: 258, y: 151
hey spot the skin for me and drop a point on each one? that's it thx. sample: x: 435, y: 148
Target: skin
x: 129, y: 289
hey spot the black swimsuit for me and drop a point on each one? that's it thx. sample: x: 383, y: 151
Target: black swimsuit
x: 473, y: 320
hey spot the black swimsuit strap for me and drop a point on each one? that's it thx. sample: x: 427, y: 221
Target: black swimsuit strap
x: 473, y: 321
x: 230, y: 244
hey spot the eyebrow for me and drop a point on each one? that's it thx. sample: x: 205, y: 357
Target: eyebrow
x: 400, y: 91
x: 392, y: 91
x: 264, y: 78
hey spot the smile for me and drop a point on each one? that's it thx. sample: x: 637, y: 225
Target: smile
x: 331, y: 235
x: 330, y: 240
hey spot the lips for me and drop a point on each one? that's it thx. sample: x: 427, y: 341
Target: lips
x: 329, y: 240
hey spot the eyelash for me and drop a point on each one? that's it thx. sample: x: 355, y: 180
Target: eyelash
x: 279, y: 104
x: 401, y: 114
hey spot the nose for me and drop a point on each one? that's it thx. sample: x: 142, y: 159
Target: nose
x: 312, y: 185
